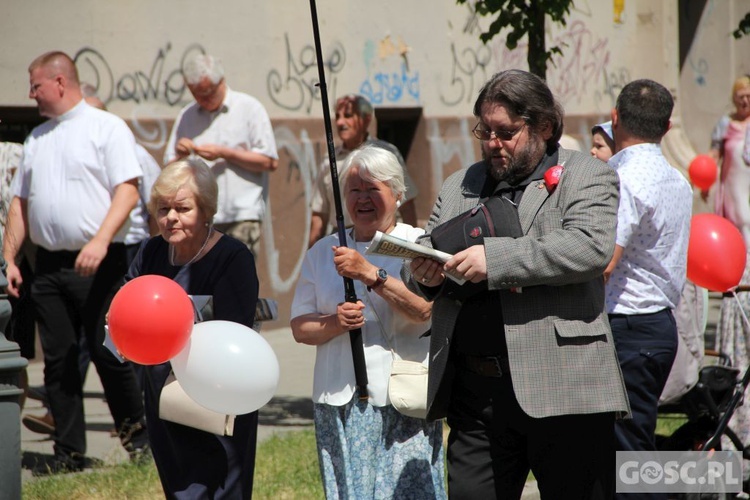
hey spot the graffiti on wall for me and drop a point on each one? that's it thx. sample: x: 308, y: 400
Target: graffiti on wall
x: 303, y: 167
x: 150, y: 133
x: 161, y: 82
x: 612, y: 83
x: 586, y: 57
x: 468, y: 72
x: 699, y: 68
x: 389, y: 79
x: 294, y: 87
x: 383, y: 87
x: 573, y: 76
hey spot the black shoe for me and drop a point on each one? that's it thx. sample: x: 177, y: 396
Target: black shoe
x: 60, y: 464
x: 37, y: 392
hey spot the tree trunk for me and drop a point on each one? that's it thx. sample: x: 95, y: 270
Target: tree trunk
x: 536, y: 56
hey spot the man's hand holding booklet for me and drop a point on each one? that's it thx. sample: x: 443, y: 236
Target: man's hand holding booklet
x: 385, y: 244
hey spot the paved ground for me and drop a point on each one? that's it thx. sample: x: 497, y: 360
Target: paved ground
x: 290, y: 409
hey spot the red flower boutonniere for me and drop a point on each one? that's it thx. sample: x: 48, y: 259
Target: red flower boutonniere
x: 552, y: 177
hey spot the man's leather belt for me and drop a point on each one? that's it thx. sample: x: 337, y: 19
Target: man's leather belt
x: 487, y: 366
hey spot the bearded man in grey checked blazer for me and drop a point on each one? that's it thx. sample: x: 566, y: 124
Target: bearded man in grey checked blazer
x: 526, y: 371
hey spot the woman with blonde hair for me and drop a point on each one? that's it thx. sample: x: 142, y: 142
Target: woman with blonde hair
x: 727, y: 145
x: 193, y: 463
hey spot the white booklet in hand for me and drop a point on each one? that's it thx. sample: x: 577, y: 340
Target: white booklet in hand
x: 391, y: 246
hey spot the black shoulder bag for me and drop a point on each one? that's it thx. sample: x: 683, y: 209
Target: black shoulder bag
x: 492, y: 217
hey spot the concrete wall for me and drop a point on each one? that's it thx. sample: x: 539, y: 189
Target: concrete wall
x: 401, y: 54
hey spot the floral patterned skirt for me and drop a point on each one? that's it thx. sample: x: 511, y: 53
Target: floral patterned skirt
x: 366, y: 451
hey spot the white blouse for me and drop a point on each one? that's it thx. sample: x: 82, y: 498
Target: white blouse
x: 320, y: 289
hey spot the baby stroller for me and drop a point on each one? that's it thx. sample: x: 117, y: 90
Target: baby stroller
x: 709, y: 400
x: 708, y: 406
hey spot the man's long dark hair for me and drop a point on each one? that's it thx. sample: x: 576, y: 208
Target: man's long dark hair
x: 644, y: 108
x: 527, y: 96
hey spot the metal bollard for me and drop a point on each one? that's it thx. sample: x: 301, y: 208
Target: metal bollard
x: 11, y: 364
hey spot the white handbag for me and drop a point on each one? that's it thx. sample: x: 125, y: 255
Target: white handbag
x: 407, y: 387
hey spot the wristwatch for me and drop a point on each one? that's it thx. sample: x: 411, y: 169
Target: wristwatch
x: 380, y: 276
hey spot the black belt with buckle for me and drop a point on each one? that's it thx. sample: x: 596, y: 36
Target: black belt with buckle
x: 487, y: 366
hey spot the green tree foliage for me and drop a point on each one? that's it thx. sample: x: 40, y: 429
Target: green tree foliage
x: 524, y: 17
x: 743, y: 28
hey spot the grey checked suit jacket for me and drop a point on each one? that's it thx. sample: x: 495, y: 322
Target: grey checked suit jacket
x: 560, y: 346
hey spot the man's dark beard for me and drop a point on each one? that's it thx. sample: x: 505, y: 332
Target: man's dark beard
x: 521, y: 165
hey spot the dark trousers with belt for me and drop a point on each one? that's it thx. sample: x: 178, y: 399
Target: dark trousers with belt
x: 493, y: 444
x: 646, y: 347
x: 68, y: 304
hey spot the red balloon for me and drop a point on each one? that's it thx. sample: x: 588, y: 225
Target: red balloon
x: 150, y: 319
x: 716, y: 253
x: 703, y: 171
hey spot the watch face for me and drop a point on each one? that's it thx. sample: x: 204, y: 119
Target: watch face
x: 382, y: 274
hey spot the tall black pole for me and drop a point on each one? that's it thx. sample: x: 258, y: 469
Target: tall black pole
x: 350, y: 295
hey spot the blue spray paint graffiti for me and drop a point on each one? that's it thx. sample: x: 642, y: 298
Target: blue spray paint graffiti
x: 382, y: 87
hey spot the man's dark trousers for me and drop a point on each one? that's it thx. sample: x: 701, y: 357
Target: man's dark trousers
x: 66, y: 304
x: 646, y: 347
x: 493, y: 444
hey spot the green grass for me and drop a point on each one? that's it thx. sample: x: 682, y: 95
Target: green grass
x: 286, y: 467
x: 121, y: 481
x: 666, y: 424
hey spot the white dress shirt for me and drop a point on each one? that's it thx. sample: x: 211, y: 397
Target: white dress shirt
x: 70, y: 168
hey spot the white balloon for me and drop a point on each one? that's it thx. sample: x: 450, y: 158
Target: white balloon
x: 227, y: 367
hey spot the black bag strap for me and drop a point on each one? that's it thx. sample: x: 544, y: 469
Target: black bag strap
x: 505, y: 218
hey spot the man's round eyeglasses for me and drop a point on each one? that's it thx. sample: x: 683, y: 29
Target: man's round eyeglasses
x: 485, y: 134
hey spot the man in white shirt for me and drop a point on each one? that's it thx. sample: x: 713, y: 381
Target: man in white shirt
x: 140, y: 224
x: 74, y: 189
x: 231, y: 131
x: 648, y: 270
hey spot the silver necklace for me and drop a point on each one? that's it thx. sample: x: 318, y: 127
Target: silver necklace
x: 203, y: 247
